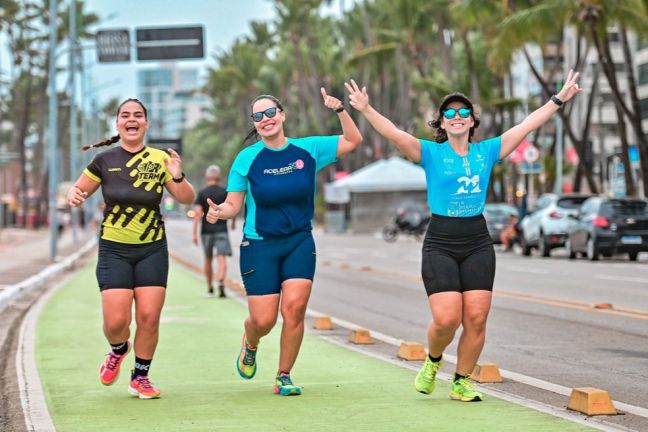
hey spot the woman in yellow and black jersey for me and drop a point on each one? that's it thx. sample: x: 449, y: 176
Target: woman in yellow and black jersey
x: 133, y: 259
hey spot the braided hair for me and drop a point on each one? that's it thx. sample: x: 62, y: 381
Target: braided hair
x: 253, y: 132
x: 114, y: 139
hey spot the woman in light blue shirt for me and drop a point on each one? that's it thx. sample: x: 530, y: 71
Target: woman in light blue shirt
x: 458, y: 263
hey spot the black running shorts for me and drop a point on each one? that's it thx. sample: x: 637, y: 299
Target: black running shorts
x: 458, y: 255
x: 123, y: 265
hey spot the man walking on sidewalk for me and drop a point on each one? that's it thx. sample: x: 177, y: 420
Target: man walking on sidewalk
x: 212, y: 235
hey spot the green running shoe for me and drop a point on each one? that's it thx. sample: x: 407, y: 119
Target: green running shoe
x: 285, y: 387
x: 246, y: 361
x: 463, y: 390
x: 425, y: 379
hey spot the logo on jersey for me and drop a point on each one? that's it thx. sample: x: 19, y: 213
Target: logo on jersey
x: 468, y: 185
x: 148, y: 171
x: 297, y: 165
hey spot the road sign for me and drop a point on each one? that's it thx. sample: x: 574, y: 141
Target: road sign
x: 530, y: 168
x: 531, y: 154
x: 166, y: 143
x: 113, y: 45
x: 169, y: 43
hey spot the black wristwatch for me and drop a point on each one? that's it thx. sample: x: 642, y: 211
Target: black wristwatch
x: 339, y: 110
x: 557, y: 101
x: 182, y: 177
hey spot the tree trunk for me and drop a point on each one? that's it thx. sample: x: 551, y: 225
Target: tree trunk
x: 470, y: 59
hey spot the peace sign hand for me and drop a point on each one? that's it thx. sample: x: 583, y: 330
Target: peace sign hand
x: 330, y: 101
x: 214, y: 212
x: 570, y: 88
x: 359, y: 99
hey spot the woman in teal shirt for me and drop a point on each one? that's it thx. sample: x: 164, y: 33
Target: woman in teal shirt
x: 458, y: 263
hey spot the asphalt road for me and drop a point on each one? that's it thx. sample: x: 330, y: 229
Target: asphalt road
x: 542, y: 323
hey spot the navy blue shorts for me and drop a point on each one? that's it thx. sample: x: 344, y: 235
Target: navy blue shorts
x: 265, y: 264
x: 123, y: 265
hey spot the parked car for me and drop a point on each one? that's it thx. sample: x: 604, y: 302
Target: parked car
x: 547, y: 226
x: 606, y: 226
x: 498, y: 217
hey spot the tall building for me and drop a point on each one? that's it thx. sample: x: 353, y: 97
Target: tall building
x: 173, y: 98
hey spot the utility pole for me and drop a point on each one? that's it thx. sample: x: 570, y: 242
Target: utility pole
x: 53, y: 144
x: 74, y: 212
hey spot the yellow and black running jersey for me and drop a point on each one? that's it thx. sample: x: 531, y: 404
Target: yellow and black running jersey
x: 132, y: 186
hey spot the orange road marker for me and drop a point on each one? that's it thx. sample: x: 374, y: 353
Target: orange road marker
x: 486, y: 373
x: 323, y: 323
x: 591, y: 401
x: 361, y: 336
x: 411, y: 351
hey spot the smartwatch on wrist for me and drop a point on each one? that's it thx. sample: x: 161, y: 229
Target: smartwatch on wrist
x: 179, y: 180
x: 339, y: 110
x: 557, y: 101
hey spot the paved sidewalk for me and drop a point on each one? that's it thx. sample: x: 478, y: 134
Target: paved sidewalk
x: 25, y: 252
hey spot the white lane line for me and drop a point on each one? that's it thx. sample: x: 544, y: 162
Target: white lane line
x: 524, y: 379
x: 528, y: 403
x: 642, y: 280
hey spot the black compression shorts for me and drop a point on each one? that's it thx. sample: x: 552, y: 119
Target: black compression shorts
x: 123, y: 265
x: 458, y: 255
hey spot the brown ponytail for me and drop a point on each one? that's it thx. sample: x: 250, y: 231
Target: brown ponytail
x: 106, y: 142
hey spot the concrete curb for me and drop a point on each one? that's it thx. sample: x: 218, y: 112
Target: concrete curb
x: 30, y: 283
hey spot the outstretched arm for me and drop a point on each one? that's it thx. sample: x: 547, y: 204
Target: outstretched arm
x: 351, y: 136
x: 226, y: 210
x: 514, y: 136
x: 406, y: 143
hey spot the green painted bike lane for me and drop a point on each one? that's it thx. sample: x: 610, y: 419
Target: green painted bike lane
x: 194, y: 367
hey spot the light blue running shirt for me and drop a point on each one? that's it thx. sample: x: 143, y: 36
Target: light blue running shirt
x: 457, y: 185
x: 279, y: 184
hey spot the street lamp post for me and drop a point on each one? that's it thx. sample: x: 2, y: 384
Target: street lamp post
x: 53, y: 144
x: 73, y: 112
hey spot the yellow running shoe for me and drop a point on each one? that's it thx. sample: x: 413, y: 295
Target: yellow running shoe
x: 425, y: 379
x: 463, y: 390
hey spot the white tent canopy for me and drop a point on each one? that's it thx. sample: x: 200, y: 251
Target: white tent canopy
x: 393, y: 174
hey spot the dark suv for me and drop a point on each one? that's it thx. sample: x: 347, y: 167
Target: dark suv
x: 605, y: 226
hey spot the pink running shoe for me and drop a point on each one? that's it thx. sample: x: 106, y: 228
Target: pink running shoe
x: 109, y: 370
x: 141, y: 387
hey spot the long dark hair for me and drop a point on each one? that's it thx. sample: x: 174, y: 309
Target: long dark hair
x: 114, y: 139
x: 253, y: 132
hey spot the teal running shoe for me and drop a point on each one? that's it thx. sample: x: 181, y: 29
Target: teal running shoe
x: 285, y: 387
x: 246, y: 361
x: 426, y: 378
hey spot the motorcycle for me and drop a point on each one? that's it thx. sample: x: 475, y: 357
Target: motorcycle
x: 406, y: 222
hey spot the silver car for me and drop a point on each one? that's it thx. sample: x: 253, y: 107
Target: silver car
x: 548, y: 225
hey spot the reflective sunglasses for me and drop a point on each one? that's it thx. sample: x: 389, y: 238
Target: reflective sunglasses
x: 451, y: 112
x: 258, y: 116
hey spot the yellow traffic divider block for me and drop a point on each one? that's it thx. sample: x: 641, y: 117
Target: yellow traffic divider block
x: 361, y: 336
x: 323, y: 323
x: 411, y: 351
x: 486, y: 373
x: 591, y: 401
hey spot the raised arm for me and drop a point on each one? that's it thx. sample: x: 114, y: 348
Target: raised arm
x: 406, y: 143
x: 226, y: 210
x: 514, y: 136
x: 351, y: 136
x: 182, y: 191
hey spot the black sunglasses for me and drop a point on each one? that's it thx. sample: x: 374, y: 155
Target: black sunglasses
x: 258, y: 116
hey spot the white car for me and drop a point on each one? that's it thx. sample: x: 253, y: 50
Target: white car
x: 548, y: 225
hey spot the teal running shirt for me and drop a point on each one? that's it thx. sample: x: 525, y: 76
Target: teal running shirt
x: 279, y: 184
x: 457, y: 185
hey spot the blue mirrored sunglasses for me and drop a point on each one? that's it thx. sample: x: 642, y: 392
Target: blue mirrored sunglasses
x: 451, y: 112
x: 258, y: 116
